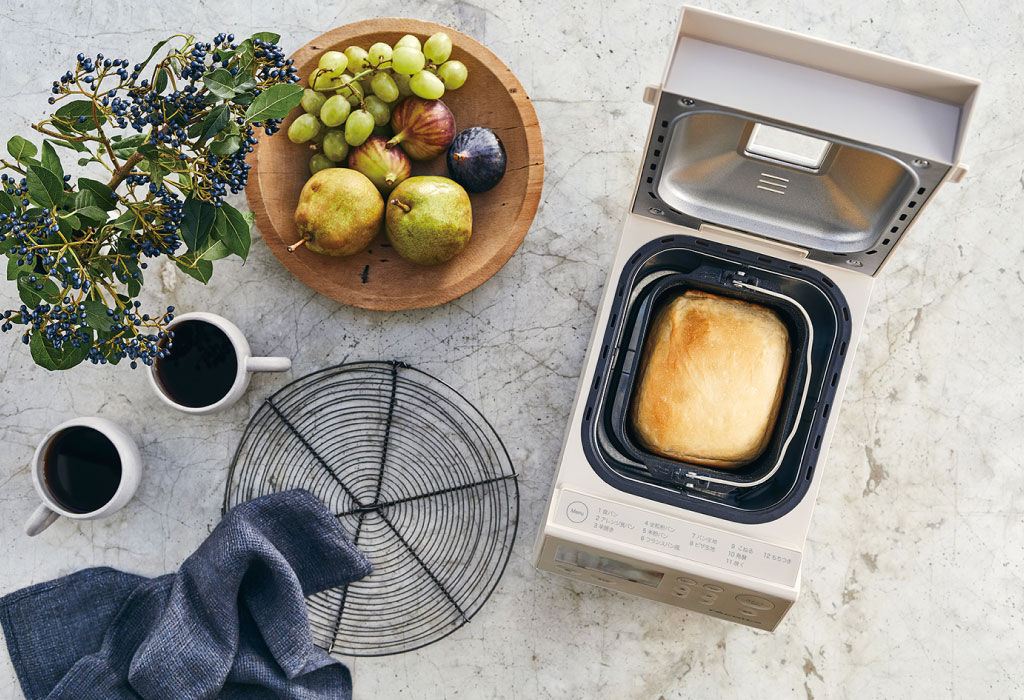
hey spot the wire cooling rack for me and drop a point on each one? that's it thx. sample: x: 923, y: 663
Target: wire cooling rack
x: 417, y: 477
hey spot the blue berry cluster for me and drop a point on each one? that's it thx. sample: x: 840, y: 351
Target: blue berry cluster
x: 174, y: 132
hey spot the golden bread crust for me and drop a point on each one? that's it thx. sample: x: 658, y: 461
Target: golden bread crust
x: 711, y: 381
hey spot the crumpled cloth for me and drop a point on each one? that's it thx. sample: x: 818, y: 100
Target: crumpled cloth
x: 230, y: 624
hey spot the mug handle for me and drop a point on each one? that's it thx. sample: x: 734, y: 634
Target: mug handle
x: 41, y: 519
x: 268, y: 364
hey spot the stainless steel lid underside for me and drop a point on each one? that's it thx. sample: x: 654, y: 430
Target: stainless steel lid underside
x: 840, y: 204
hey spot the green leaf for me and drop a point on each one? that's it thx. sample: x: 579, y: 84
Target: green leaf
x: 7, y: 203
x: 51, y: 161
x: 159, y: 45
x: 202, y: 271
x: 99, y: 190
x: 31, y: 296
x: 215, y: 250
x: 7, y: 243
x: 244, y: 83
x: 128, y: 221
x: 234, y: 230
x: 44, y: 188
x: 156, y: 171
x: 246, y: 57
x: 245, y: 98
x: 160, y: 82
x: 274, y: 103
x: 96, y: 315
x: 13, y: 268
x: 51, y: 358
x: 125, y: 147
x: 197, y: 222
x: 216, y: 120
x: 68, y: 224
x: 221, y: 83
x: 226, y: 146
x: 72, y: 146
x: 70, y: 113
x: 94, y: 215
x: 267, y: 37
x: 21, y: 149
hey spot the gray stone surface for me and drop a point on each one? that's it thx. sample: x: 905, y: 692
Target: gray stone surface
x: 913, y: 574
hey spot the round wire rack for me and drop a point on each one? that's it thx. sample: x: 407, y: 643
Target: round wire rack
x: 417, y: 477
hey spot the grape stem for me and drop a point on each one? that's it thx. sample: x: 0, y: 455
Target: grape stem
x: 298, y: 244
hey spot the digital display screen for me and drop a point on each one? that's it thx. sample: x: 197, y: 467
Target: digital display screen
x: 604, y: 565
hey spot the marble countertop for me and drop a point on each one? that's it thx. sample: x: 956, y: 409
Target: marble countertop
x: 912, y: 578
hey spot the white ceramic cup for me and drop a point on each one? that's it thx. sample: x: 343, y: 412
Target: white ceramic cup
x: 247, y: 364
x: 131, y: 470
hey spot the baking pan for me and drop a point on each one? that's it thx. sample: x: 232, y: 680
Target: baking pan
x: 715, y: 281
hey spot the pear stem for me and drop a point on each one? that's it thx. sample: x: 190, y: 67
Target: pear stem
x: 297, y: 244
x: 401, y: 205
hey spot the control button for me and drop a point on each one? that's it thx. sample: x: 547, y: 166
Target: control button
x: 708, y: 598
x: 603, y: 579
x: 713, y: 588
x: 685, y: 581
x: 681, y: 592
x: 577, y: 511
x: 748, y: 613
x: 755, y: 601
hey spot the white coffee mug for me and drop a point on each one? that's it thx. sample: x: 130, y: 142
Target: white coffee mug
x: 131, y: 470
x: 247, y: 364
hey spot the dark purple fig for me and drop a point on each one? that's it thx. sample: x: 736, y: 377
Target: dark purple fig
x: 476, y: 159
x: 386, y: 167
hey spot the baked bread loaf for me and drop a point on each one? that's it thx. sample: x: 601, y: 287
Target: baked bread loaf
x: 711, y: 380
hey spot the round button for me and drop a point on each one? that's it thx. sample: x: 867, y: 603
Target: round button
x: 685, y: 581
x: 755, y: 601
x: 577, y: 511
x: 713, y: 588
x: 681, y: 592
x: 708, y: 599
x: 746, y: 612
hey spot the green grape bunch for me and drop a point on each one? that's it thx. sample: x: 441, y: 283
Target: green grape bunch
x: 351, y: 94
x: 168, y: 140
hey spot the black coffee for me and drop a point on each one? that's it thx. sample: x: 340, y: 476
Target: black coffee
x: 82, y: 469
x: 201, y: 366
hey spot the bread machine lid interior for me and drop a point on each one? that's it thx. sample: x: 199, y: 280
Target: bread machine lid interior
x: 827, y: 148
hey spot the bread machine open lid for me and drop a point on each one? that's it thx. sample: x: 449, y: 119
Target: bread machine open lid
x: 828, y: 149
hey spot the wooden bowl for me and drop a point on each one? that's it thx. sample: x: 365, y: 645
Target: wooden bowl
x: 378, y: 278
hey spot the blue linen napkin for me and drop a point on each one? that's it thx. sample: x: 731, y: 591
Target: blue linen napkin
x: 231, y: 623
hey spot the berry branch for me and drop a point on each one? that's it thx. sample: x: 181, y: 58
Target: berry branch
x: 174, y: 146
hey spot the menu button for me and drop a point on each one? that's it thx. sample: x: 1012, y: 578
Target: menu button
x: 577, y: 511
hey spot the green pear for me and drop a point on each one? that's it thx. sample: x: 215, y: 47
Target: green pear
x: 429, y: 219
x: 339, y: 213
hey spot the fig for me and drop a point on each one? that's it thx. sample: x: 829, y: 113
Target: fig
x: 476, y: 159
x: 385, y: 167
x: 424, y: 128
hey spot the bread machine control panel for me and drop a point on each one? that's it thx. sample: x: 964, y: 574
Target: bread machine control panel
x: 666, y: 534
x: 645, y: 530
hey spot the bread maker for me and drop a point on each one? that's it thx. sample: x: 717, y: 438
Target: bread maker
x: 781, y: 170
